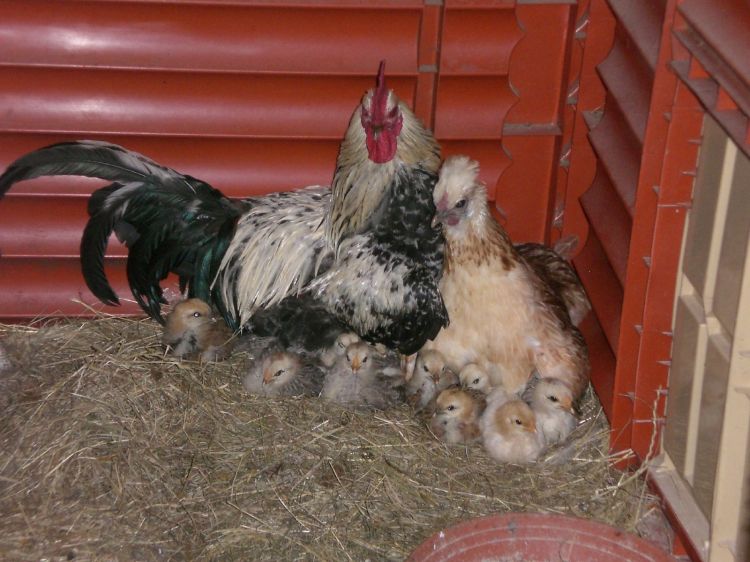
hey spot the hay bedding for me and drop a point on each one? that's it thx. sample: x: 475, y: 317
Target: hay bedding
x: 112, y: 451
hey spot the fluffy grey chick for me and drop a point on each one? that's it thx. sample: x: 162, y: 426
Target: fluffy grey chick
x: 283, y: 373
x: 356, y: 379
x: 552, y: 402
x: 337, y: 350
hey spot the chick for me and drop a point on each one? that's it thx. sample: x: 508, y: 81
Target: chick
x: 474, y: 377
x: 552, y: 402
x: 356, y: 379
x: 337, y: 350
x: 457, y: 414
x: 283, y: 373
x: 510, y: 434
x: 431, y: 376
x: 191, y: 328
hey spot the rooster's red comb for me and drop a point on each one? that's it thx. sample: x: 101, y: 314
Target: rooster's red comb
x: 380, y: 97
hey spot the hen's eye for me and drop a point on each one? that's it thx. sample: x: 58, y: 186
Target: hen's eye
x: 278, y: 373
x: 197, y: 314
x: 553, y: 398
x: 461, y: 204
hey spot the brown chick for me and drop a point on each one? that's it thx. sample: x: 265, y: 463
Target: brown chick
x: 503, y: 315
x: 456, y: 417
x: 192, y: 328
x: 510, y: 434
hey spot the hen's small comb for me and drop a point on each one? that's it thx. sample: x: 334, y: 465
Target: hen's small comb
x: 380, y: 97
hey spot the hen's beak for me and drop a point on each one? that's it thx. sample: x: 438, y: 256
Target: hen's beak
x: 437, y: 220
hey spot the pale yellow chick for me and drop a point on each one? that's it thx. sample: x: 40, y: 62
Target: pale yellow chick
x: 509, y: 433
x: 191, y: 328
x: 552, y: 402
x: 431, y: 376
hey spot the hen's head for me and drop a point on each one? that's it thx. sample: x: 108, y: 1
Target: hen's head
x: 382, y: 120
x: 459, y: 195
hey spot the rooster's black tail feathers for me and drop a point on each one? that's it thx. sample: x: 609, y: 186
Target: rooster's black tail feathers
x: 170, y: 222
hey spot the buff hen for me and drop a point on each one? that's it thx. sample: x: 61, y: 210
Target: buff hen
x: 504, y: 315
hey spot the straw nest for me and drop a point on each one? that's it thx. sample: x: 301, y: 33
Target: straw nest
x: 112, y: 451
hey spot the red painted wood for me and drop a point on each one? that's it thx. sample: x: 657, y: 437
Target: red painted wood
x: 169, y: 103
x: 210, y: 37
x: 610, y: 221
x: 602, y: 287
x: 32, y: 288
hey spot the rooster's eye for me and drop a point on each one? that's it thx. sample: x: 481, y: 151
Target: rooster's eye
x: 461, y: 204
x: 553, y: 398
x: 197, y: 314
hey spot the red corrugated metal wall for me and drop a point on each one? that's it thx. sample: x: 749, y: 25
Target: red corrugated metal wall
x: 254, y: 97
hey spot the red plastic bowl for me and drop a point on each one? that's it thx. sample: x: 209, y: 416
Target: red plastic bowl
x: 536, y: 537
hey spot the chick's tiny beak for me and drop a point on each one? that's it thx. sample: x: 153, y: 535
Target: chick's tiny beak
x: 356, y: 364
x: 267, y: 376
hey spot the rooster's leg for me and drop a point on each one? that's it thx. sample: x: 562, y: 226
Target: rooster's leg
x: 408, y: 362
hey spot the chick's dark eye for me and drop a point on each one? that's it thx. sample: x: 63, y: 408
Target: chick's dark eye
x: 553, y: 398
x: 517, y: 421
x: 278, y: 373
x: 364, y: 360
x: 197, y: 314
x: 461, y: 204
x: 424, y: 368
x: 475, y: 381
x: 451, y: 408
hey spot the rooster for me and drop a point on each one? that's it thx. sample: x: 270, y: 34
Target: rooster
x: 505, y: 316
x: 360, y: 255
